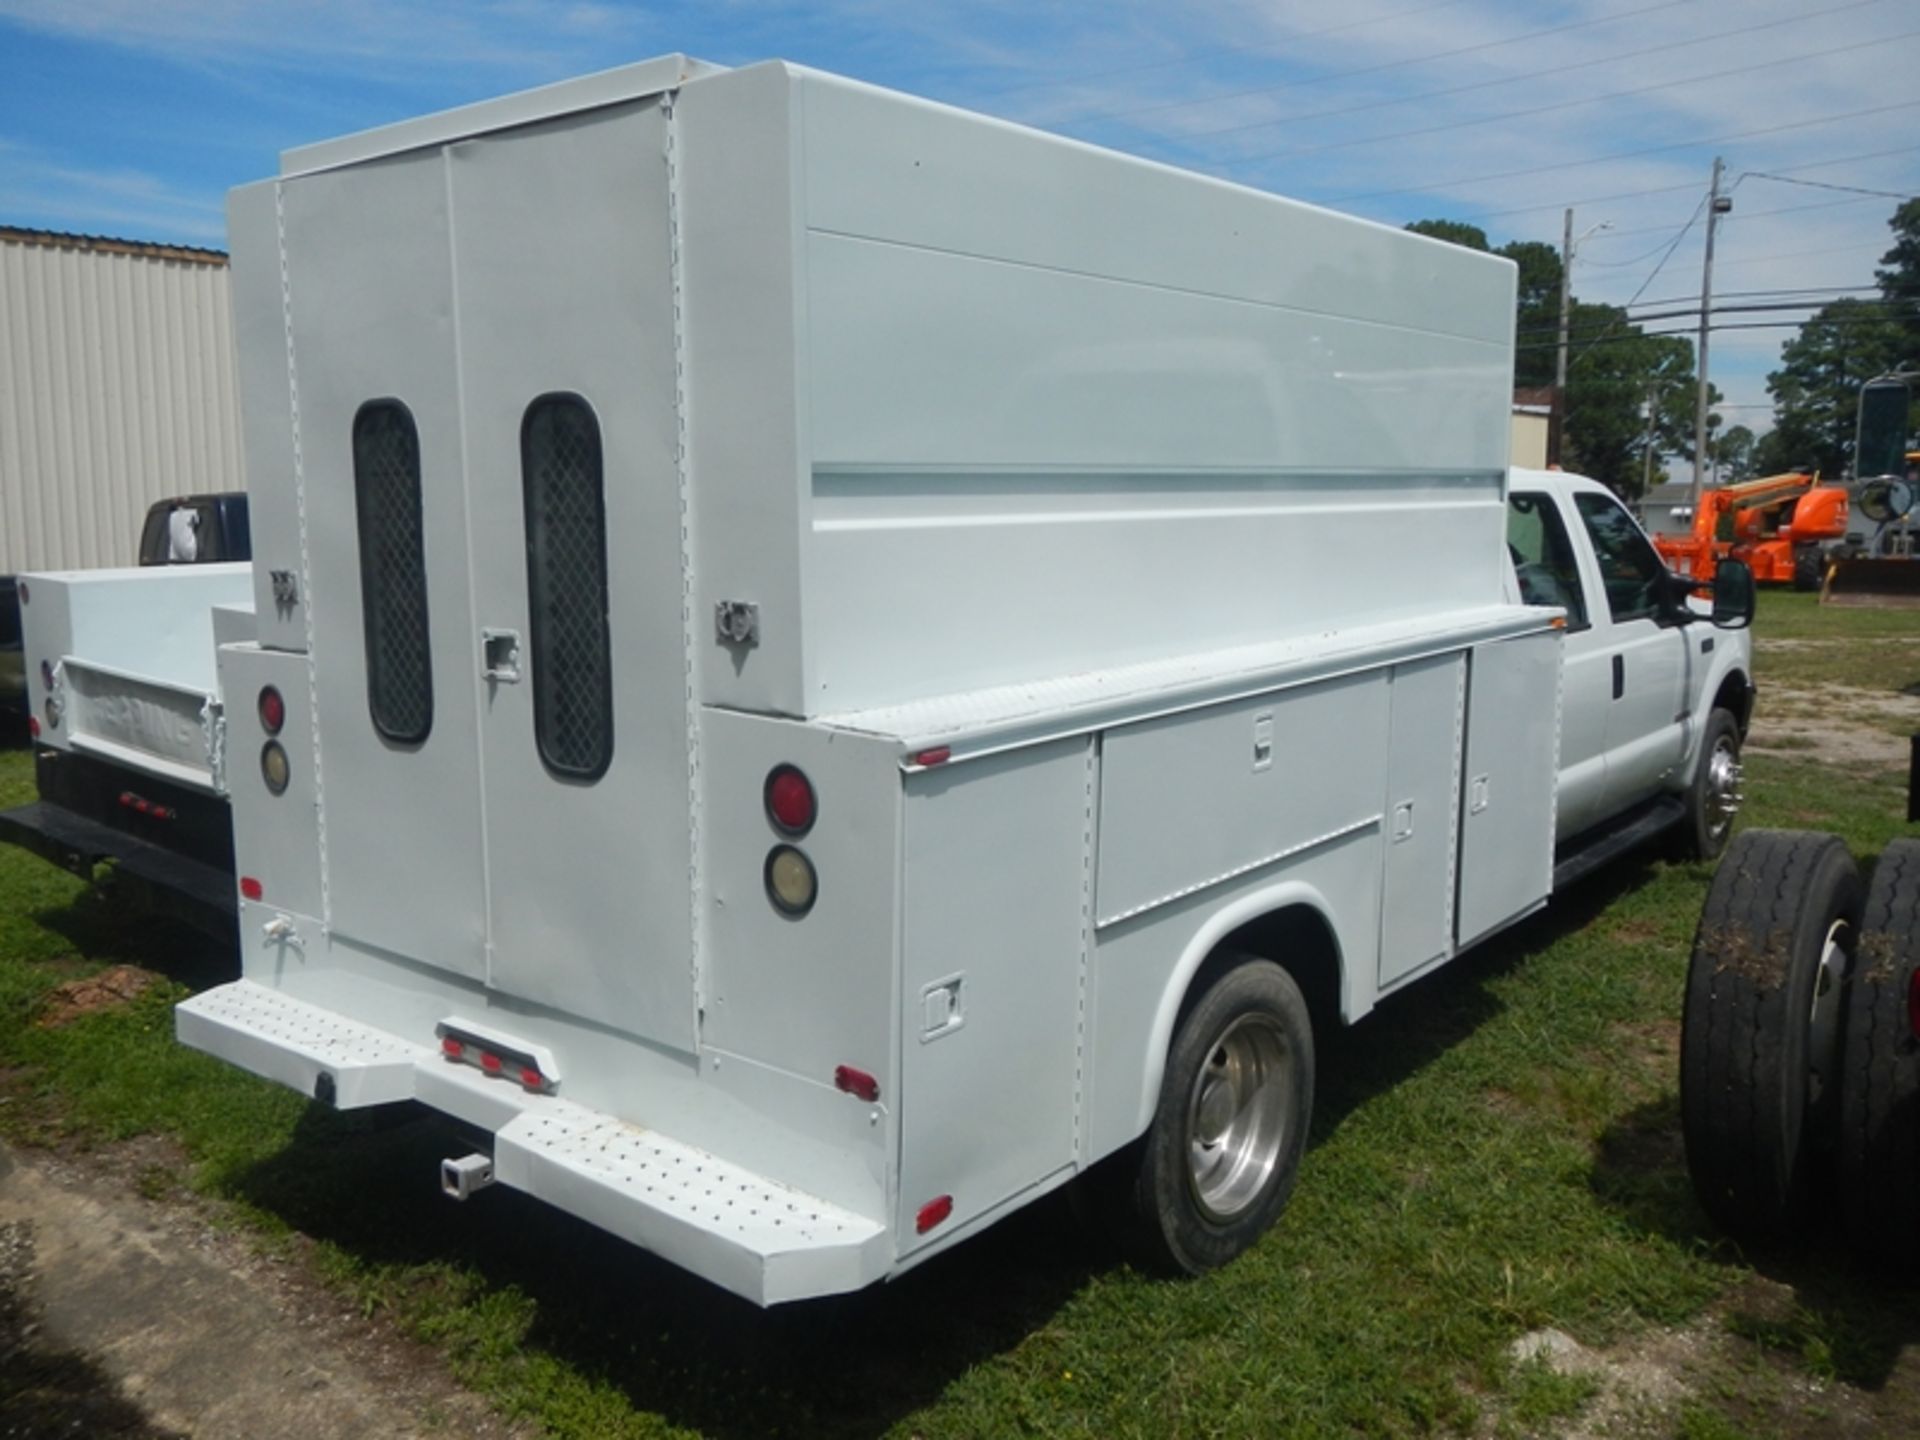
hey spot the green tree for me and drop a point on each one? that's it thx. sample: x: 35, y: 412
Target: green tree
x: 1454, y: 232
x: 1899, y: 276
x: 1733, y: 454
x: 1816, y: 390
x: 1615, y: 372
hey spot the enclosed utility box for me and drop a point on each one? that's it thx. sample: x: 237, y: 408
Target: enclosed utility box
x: 801, y: 617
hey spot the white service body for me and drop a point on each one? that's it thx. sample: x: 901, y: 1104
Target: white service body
x: 1119, y: 553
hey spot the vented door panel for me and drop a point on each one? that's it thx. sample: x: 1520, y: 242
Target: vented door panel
x: 568, y: 376
x: 370, y: 283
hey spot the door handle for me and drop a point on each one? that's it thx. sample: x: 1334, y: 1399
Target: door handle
x: 1619, y: 676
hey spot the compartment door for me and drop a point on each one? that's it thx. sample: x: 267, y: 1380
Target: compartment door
x: 1506, y: 802
x: 577, y: 647
x: 370, y: 291
x: 1428, y: 702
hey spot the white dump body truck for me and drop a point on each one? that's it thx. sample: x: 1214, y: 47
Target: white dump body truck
x: 824, y: 663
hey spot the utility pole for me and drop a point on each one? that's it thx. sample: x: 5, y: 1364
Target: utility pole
x: 1646, y: 466
x: 1717, y: 205
x: 1557, y: 416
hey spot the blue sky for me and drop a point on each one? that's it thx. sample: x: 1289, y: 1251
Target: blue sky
x: 133, y: 117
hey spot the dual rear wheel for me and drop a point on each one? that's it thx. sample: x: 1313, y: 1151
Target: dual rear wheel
x: 1800, y: 1064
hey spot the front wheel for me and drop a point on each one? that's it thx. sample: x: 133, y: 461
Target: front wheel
x: 1220, y: 1158
x: 1713, y: 799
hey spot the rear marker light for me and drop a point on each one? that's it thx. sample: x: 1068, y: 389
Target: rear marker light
x: 792, y: 884
x: 938, y: 755
x: 273, y: 710
x: 857, y: 1083
x: 497, y: 1058
x: 790, y: 800
x: 275, y: 769
x: 33, y: 726
x: 251, y: 888
x: 932, y: 1213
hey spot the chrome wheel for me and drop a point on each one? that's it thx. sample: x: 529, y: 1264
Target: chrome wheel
x: 1237, y: 1116
x: 1723, y: 788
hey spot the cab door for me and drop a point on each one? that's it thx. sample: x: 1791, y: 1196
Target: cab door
x: 1645, y: 650
x: 1547, y: 566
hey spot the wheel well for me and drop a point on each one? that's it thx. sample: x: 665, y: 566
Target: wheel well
x: 1298, y: 939
x: 1735, y: 695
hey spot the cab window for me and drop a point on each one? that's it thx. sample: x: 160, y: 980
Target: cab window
x: 1543, y: 559
x: 1630, y: 568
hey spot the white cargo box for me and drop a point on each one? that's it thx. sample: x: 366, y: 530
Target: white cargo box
x: 1118, y: 552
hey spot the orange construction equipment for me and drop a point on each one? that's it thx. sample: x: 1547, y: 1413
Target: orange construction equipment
x: 1779, y: 525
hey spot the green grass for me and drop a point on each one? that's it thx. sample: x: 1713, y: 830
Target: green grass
x: 1494, y: 1151
x: 1870, y: 649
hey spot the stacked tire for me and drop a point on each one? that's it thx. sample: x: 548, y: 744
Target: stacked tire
x: 1800, y: 1045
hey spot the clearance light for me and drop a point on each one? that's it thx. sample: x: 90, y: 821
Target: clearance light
x: 490, y: 1063
x: 496, y: 1057
x: 857, y: 1083
x: 275, y: 768
x: 532, y: 1078
x: 932, y: 1213
x: 790, y: 802
x: 273, y: 710
x: 251, y: 888
x: 791, y: 882
x: 451, y: 1047
x: 938, y: 755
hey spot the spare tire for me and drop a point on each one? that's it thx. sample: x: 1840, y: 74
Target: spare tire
x: 1880, y: 1084
x: 1760, y: 1036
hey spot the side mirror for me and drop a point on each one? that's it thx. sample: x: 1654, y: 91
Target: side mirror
x: 1733, y: 595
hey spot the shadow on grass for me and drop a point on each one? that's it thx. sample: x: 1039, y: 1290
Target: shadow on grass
x: 1843, y: 1318
x: 670, y: 1343
x: 106, y: 927
x: 1412, y: 1028
x: 852, y: 1365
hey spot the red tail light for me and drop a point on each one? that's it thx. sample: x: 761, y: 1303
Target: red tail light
x: 273, y: 710
x: 790, y: 800
x: 33, y: 726
x: 857, y: 1083
x: 251, y: 888
x: 932, y: 1213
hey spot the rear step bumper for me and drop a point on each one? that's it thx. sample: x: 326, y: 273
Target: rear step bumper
x: 754, y: 1236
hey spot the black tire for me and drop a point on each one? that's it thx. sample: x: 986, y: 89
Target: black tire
x: 1247, y: 1034
x: 1713, y: 797
x: 1880, y: 1083
x: 1759, y: 1058
x: 1809, y: 568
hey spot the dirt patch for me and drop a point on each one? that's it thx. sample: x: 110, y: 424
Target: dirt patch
x: 71, y: 999
x: 1836, y: 724
x: 177, y: 1323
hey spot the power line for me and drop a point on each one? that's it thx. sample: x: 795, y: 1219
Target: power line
x: 1736, y: 215
x: 1776, y: 305
x: 1574, y: 104
x: 1475, y: 49
x: 1845, y: 322
x: 1671, y: 189
x: 1620, y: 155
x: 1560, y: 70
x: 1823, y: 185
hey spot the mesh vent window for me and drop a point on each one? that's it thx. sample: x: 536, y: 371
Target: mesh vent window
x: 393, y: 570
x: 567, y: 586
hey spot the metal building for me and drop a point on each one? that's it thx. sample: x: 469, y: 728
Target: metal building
x: 117, y: 388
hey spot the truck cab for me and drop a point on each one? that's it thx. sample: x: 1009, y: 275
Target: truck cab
x: 1654, y: 700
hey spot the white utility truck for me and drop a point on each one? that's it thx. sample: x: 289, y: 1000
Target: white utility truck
x: 825, y: 665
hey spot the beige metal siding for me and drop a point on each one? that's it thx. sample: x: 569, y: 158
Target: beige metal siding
x: 117, y: 388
